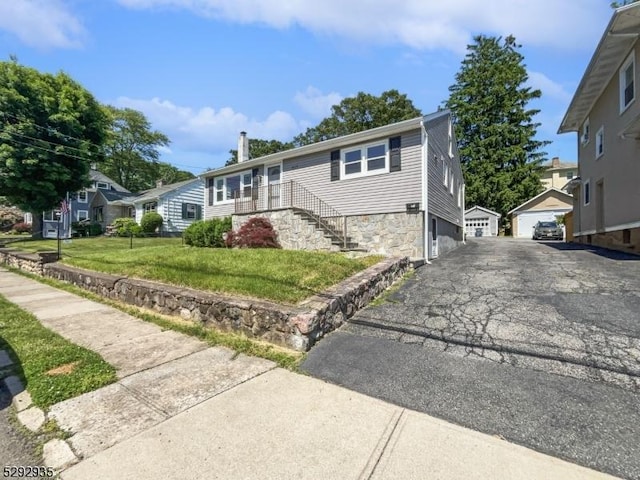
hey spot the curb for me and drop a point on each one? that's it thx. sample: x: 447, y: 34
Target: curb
x: 57, y: 454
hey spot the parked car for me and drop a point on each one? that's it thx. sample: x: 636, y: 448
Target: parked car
x: 548, y: 231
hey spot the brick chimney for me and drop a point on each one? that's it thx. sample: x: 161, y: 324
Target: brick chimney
x: 243, y: 147
x: 555, y: 162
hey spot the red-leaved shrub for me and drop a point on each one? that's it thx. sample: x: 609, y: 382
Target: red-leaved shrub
x: 21, y: 227
x: 254, y: 233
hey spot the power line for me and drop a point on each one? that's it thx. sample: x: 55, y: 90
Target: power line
x: 50, y: 150
x: 48, y: 141
x: 51, y: 129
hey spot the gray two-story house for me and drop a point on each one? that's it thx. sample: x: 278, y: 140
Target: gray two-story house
x: 394, y: 190
x: 605, y: 115
x: 81, y: 203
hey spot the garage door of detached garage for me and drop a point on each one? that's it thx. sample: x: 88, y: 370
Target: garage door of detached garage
x: 474, y: 223
x: 541, y: 208
x: 526, y: 221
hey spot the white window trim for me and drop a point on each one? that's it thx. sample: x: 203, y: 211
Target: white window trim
x: 102, y: 186
x: 585, y: 184
x: 86, y: 196
x: 147, y: 210
x: 450, y: 138
x: 445, y: 173
x: 363, y: 160
x: 584, y: 138
x: 629, y: 61
x: 187, y: 211
x: 86, y: 215
x: 224, y: 187
x: 600, y: 142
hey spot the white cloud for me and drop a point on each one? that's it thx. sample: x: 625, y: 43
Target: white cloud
x: 208, y: 129
x: 313, y: 102
x: 548, y: 87
x: 418, y: 24
x: 41, y: 23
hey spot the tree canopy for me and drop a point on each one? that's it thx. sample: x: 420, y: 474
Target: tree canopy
x: 622, y: 4
x: 260, y: 148
x: 51, y: 130
x: 501, y: 159
x: 131, y: 151
x: 362, y: 112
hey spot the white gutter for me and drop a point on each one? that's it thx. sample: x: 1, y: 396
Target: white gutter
x: 425, y: 190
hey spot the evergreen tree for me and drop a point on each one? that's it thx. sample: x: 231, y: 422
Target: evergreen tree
x: 501, y: 159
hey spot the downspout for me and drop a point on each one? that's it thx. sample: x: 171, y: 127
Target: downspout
x: 464, y: 217
x: 425, y: 190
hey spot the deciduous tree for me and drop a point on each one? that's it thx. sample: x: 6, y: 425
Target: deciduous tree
x: 362, y: 112
x: 51, y: 130
x: 260, y: 148
x: 131, y: 149
x: 494, y: 125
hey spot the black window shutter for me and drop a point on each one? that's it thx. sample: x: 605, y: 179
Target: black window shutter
x: 394, y: 155
x: 335, y: 165
x: 211, y: 191
x: 184, y: 210
x: 198, y: 212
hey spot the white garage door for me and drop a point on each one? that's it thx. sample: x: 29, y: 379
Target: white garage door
x: 526, y: 221
x: 472, y: 223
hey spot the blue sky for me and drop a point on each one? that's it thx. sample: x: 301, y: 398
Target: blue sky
x: 203, y: 70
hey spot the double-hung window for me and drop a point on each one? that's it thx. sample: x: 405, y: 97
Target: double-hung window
x: 82, y: 196
x: 627, y: 82
x: 365, y: 160
x: 237, y: 185
x: 600, y: 142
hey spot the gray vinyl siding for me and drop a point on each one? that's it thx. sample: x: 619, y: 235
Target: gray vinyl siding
x: 170, y: 206
x: 441, y: 202
x: 224, y: 209
x: 383, y: 193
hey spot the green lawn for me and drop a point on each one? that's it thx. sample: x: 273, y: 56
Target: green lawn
x: 281, y: 275
x: 54, y: 368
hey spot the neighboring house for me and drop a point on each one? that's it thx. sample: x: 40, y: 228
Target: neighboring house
x: 479, y: 218
x: 396, y: 190
x: 80, y: 203
x: 179, y: 204
x: 107, y: 205
x: 605, y: 114
x: 558, y: 174
x: 544, y: 207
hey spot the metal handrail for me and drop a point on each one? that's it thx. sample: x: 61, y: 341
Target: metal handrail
x: 291, y: 194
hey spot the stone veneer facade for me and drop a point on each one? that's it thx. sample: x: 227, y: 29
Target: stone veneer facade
x: 399, y: 234
x: 293, y: 326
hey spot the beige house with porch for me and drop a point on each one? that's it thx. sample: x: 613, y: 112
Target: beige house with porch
x: 605, y: 115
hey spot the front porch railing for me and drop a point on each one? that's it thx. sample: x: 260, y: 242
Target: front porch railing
x: 291, y: 194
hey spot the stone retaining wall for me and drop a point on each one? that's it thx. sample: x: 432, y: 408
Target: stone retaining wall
x: 297, y: 327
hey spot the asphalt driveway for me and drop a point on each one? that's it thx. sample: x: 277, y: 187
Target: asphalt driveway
x: 535, y: 342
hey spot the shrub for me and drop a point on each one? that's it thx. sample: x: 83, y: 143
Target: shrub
x: 207, y: 233
x: 21, y: 227
x: 255, y: 233
x: 150, y: 222
x: 126, y: 226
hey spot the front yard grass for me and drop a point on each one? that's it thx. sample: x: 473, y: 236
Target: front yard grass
x: 286, y: 276
x: 54, y: 368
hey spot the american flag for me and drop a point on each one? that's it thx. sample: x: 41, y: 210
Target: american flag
x: 64, y: 206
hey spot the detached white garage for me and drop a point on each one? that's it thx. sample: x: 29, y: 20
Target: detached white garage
x: 541, y: 208
x: 477, y: 218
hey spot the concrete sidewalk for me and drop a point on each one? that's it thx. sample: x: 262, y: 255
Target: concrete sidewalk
x: 182, y: 409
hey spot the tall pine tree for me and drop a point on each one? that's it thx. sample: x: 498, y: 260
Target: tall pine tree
x: 501, y: 159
